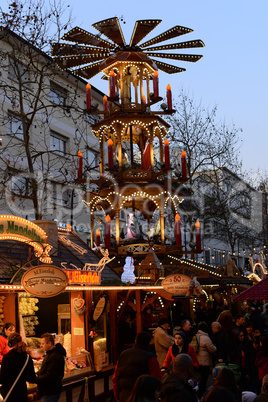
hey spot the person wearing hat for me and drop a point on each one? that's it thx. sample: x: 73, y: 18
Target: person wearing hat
x: 162, y: 340
x: 180, y: 347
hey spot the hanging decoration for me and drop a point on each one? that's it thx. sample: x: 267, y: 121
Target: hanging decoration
x: 79, y: 305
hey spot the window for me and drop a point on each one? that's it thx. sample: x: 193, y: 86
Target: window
x: 58, y: 94
x: 18, y: 72
x: 14, y: 126
x: 58, y: 143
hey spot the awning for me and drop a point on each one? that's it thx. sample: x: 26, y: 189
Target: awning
x: 259, y: 291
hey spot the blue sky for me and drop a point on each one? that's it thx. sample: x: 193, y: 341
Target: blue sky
x: 233, y: 72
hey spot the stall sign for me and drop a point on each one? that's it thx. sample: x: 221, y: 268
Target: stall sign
x: 176, y: 284
x: 81, y: 277
x: 99, y: 309
x: 44, y: 281
x: 20, y: 229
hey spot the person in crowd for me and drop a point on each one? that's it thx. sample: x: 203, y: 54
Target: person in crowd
x: 11, y: 366
x: 265, y: 318
x: 178, y: 315
x: 179, y: 347
x: 248, y: 396
x: 131, y: 364
x: 251, y: 348
x: 239, y: 322
x: 148, y: 319
x: 219, y: 394
x: 226, y: 379
x: 262, y: 358
x: 186, y: 327
x: 51, y: 373
x: 175, y: 386
x: 219, y: 339
x: 263, y: 396
x: 226, y: 320
x: 237, y: 354
x: 7, y: 330
x: 146, y: 388
x: 205, y: 351
x: 162, y: 340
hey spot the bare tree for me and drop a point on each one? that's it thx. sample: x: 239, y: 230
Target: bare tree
x: 34, y: 97
x: 208, y: 144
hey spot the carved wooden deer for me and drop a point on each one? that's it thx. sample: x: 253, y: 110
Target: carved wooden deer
x: 101, y: 264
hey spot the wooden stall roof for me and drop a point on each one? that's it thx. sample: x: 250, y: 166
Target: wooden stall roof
x: 206, y: 274
x: 259, y: 291
x: 17, y: 253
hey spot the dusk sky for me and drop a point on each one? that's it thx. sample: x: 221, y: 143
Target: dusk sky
x: 233, y: 71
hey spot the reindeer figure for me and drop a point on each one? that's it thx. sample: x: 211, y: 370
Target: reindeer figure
x: 101, y: 264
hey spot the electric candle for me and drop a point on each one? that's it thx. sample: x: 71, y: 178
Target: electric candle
x: 88, y: 95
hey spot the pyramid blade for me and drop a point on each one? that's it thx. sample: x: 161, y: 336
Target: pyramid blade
x: 79, y: 35
x: 63, y: 49
x: 112, y: 30
x: 89, y: 71
x: 141, y: 29
x: 169, y: 34
x: 69, y: 62
x: 168, y: 68
x: 184, y: 57
x: 181, y: 45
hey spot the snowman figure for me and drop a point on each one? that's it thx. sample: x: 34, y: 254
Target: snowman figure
x: 128, y: 274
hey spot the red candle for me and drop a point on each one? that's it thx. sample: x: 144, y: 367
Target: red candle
x: 112, y: 84
x: 98, y: 237
x: 183, y: 165
x: 107, y: 231
x: 110, y: 154
x: 177, y: 230
x: 88, y: 96
x: 143, y: 99
x: 155, y: 84
x: 169, y: 97
x: 198, y: 236
x: 105, y: 104
x: 80, y: 164
x: 167, y: 158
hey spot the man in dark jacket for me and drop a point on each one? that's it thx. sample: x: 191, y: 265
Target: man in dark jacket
x: 52, y: 370
x: 175, y: 386
x: 131, y: 364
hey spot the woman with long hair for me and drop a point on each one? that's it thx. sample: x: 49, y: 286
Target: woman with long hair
x: 146, y: 389
x: 262, y: 358
x: 12, y: 364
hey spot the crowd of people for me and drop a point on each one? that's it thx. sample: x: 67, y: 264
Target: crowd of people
x: 223, y: 358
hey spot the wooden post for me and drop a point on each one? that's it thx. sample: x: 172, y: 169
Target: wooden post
x: 138, y: 312
x: 113, y: 326
x: 91, y: 229
x: 151, y: 151
x: 131, y: 145
x: 162, y: 222
x: 101, y: 155
x: 88, y: 296
x: 117, y: 222
x: 141, y: 83
x: 161, y: 148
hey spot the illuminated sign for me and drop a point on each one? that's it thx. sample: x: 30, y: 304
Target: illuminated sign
x: 176, y: 284
x: 83, y: 277
x: 20, y: 229
x: 44, y: 281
